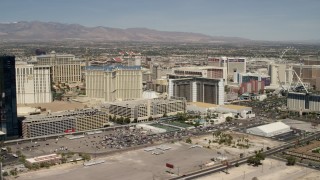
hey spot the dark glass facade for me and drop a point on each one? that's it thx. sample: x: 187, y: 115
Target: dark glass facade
x: 8, y: 101
x: 206, y: 89
x: 307, y: 98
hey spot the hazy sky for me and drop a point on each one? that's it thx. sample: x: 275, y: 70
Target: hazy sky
x: 254, y: 19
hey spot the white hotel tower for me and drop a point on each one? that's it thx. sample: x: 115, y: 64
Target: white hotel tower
x: 33, y: 84
x: 114, y: 82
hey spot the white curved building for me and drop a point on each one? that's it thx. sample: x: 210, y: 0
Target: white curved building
x: 270, y: 130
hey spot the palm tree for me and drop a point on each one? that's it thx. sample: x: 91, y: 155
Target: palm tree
x: 247, y: 141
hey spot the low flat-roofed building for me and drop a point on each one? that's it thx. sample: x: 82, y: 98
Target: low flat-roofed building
x: 56, y: 106
x: 270, y: 130
x: 239, y: 111
x: 25, y: 111
x: 150, y: 128
x: 207, y: 108
x: 201, y: 107
x: 50, y: 158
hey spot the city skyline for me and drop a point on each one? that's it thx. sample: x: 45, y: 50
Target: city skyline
x: 283, y: 20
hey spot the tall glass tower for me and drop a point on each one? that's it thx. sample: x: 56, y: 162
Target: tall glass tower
x: 8, y: 102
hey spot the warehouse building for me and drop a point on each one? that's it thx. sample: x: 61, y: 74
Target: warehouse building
x: 270, y: 130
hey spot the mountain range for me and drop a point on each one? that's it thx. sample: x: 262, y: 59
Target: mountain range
x: 46, y: 31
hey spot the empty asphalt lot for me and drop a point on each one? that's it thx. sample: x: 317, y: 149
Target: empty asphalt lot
x: 137, y: 164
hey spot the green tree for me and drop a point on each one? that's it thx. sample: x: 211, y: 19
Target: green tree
x: 229, y: 119
x: 196, y: 124
x: 254, y: 161
x: 5, y: 173
x: 35, y: 166
x: 150, y: 118
x: 217, y: 133
x: 291, y: 160
x: 63, y: 160
x: 260, y: 155
x: 9, y: 149
x: 181, y: 117
x: 28, y: 165
x: 85, y: 157
x: 121, y: 120
x: 188, y: 140
x: 114, y: 118
x: 247, y: 141
x: 13, y: 172
x: 22, y: 158
x: 18, y: 153
x: 127, y: 120
x: 44, y: 165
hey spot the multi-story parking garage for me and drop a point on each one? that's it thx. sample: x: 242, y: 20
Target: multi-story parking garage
x: 143, y: 109
x: 65, y: 122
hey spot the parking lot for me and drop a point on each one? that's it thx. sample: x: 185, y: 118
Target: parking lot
x: 301, y: 125
x: 102, y: 142
x: 137, y: 164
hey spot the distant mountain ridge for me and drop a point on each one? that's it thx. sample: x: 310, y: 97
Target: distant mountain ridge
x: 36, y: 30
